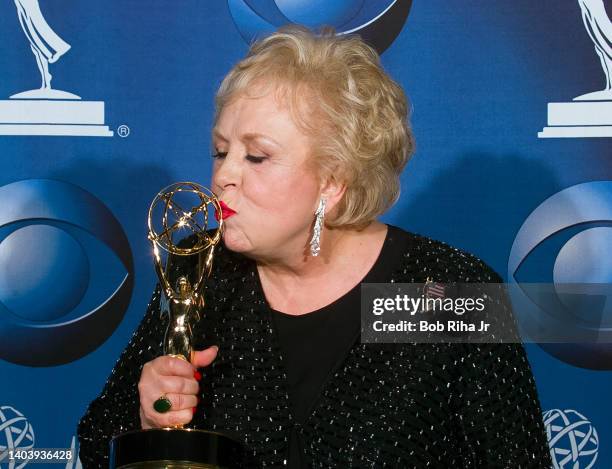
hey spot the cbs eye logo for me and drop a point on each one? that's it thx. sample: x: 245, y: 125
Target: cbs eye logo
x: 66, y: 272
x: 566, y: 243
x: 377, y: 22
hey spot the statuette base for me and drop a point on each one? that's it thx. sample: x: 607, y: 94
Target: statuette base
x: 578, y: 119
x: 165, y: 448
x: 53, y: 117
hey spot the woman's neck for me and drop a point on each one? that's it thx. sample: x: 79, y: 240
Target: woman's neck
x: 346, y: 257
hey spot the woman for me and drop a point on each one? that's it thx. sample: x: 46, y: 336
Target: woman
x: 310, y: 139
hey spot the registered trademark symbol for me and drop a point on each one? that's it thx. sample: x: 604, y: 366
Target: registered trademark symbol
x: 123, y: 131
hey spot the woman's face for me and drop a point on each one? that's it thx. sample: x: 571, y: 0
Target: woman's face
x: 261, y: 172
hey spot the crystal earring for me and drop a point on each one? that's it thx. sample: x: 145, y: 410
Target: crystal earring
x: 315, y: 242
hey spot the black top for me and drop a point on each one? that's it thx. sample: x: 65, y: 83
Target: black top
x: 386, y: 405
x: 315, y: 344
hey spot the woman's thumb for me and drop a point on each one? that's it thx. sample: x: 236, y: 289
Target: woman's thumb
x: 204, y: 357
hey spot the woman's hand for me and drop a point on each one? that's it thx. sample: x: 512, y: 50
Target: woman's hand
x: 175, y: 379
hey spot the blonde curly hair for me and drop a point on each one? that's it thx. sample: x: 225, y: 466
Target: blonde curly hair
x: 339, y: 94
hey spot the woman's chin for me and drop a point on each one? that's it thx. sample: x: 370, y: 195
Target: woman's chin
x: 236, y: 242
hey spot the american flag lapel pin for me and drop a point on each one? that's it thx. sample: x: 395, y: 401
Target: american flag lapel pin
x: 433, y: 289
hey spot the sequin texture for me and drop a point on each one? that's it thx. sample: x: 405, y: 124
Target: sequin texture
x: 388, y: 405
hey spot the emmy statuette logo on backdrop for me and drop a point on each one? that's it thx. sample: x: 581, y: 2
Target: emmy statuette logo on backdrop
x: 588, y: 115
x: 572, y: 438
x: 48, y: 111
x: 16, y: 433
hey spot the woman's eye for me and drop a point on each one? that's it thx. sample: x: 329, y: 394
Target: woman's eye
x: 219, y: 155
x: 256, y: 159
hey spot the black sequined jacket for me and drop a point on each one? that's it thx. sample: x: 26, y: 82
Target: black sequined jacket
x: 387, y: 405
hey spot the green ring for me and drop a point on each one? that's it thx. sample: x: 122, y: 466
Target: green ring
x: 162, y: 405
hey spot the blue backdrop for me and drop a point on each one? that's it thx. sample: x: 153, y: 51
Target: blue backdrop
x: 76, y: 268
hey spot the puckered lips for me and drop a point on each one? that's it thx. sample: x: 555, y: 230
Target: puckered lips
x: 226, y: 212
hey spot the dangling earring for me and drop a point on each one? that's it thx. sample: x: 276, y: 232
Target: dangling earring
x: 315, y: 242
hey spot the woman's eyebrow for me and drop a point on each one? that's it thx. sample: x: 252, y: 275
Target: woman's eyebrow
x: 258, y: 136
x: 217, y: 134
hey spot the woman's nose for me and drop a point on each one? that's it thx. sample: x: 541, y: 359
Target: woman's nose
x: 226, y: 172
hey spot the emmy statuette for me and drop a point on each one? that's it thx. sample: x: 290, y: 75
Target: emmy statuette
x: 178, y: 227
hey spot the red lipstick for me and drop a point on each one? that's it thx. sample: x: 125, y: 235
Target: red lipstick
x: 226, y: 212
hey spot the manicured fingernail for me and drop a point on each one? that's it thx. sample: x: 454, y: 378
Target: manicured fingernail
x: 194, y: 409
x: 197, y: 375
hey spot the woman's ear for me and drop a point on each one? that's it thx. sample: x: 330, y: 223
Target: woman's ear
x: 332, y: 189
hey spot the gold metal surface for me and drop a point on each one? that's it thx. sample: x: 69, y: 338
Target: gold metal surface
x: 167, y: 220
x: 182, y: 299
